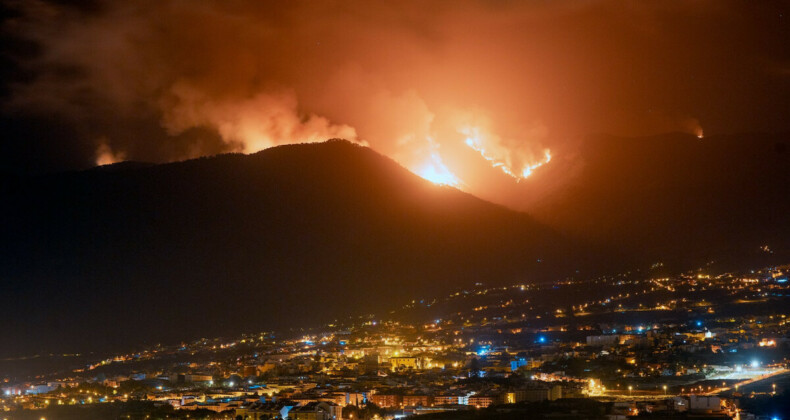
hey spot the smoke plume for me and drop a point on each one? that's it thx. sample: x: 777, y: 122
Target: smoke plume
x: 472, y: 93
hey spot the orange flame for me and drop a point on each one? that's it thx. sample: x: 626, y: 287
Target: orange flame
x: 477, y: 142
x: 106, y: 156
x: 435, y: 170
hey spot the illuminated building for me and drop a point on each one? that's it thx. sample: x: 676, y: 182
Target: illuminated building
x: 417, y: 400
x: 405, y: 363
x: 482, y: 401
x: 386, y: 400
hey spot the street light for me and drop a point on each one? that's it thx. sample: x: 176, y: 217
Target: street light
x: 665, y: 390
x: 630, y: 388
x: 774, y: 386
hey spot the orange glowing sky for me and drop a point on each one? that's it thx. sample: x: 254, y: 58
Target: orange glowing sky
x: 473, y: 93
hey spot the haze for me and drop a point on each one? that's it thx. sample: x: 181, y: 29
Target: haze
x: 476, y: 94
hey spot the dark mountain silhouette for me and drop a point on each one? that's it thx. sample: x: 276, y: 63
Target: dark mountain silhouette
x: 675, y: 197
x: 294, y: 235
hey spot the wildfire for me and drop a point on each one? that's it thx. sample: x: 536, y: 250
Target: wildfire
x: 529, y: 168
x: 106, y: 156
x: 435, y: 170
x: 476, y: 141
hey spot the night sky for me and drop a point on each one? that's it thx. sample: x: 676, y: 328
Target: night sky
x: 470, y: 93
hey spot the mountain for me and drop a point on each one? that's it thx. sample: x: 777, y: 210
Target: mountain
x: 675, y: 197
x: 290, y: 236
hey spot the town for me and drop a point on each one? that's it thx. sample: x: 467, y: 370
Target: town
x: 707, y: 344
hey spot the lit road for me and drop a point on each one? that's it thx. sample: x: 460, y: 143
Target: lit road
x: 749, y: 381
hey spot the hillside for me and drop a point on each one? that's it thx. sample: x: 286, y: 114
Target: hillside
x: 293, y: 235
x: 675, y: 197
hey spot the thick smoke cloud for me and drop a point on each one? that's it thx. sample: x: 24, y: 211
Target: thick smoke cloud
x: 251, y: 124
x: 168, y: 80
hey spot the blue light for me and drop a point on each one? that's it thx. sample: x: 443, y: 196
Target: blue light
x: 699, y: 323
x: 541, y: 339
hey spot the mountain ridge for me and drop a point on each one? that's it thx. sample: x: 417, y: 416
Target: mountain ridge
x: 674, y: 196
x: 279, y: 238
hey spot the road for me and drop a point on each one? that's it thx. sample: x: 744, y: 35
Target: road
x: 750, y: 381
